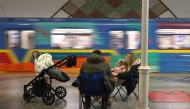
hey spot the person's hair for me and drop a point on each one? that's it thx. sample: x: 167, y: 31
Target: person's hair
x: 130, y: 59
x: 97, y: 52
x: 120, y: 62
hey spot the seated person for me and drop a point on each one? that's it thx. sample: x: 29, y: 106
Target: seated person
x: 132, y: 64
x: 96, y: 63
x: 120, y: 67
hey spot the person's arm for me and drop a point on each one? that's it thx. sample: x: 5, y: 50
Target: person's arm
x: 132, y: 73
x: 81, y: 69
x: 109, y: 73
x: 124, y: 75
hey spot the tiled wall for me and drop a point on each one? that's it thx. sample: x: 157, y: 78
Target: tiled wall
x: 111, y: 9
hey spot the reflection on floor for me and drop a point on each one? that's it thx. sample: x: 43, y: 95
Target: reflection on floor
x: 11, y: 92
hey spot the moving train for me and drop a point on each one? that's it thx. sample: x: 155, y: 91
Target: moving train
x: 168, y: 41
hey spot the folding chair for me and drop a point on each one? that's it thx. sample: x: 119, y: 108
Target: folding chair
x: 120, y: 87
x: 92, y: 85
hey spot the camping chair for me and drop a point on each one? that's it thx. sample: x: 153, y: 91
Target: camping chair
x: 120, y: 87
x: 92, y: 85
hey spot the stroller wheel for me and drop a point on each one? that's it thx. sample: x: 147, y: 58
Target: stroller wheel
x: 30, y: 91
x: 48, y: 97
x: 26, y: 96
x: 61, y: 92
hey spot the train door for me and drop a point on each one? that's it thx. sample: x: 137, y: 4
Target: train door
x: 19, y: 41
x: 177, y: 43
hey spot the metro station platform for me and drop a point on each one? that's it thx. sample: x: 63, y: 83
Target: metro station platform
x: 166, y: 91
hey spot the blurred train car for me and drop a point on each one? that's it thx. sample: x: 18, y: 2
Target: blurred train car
x: 169, y: 41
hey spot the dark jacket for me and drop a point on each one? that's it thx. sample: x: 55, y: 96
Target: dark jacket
x: 96, y: 63
x: 133, y: 72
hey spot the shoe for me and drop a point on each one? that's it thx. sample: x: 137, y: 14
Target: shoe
x: 75, y: 83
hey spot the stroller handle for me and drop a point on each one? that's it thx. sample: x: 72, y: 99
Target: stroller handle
x: 57, y: 63
x: 68, y: 59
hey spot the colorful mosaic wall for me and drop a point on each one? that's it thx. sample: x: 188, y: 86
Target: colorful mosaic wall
x: 110, y: 9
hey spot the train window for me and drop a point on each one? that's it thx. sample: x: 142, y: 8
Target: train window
x: 27, y: 39
x: 12, y: 38
x: 165, y: 41
x: 72, y: 38
x: 133, y: 39
x: 173, y: 38
x: 116, y: 41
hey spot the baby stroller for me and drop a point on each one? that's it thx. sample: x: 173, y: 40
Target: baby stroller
x: 40, y: 88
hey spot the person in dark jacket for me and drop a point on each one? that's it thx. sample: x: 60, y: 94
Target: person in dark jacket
x: 96, y: 63
x: 132, y: 63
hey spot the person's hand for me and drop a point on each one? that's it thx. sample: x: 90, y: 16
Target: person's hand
x: 114, y: 73
x: 112, y: 70
x: 117, y: 70
x: 115, y: 78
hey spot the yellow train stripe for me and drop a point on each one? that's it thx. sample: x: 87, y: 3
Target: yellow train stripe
x: 11, y: 55
x: 112, y: 52
x: 164, y: 51
x: 28, y: 54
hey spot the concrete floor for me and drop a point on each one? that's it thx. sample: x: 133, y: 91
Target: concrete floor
x: 11, y: 93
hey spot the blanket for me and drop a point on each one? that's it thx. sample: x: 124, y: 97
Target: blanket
x: 42, y: 62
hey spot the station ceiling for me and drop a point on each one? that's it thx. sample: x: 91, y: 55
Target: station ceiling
x: 93, y: 8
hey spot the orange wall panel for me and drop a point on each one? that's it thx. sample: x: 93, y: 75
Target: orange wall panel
x: 29, y: 67
x: 3, y: 67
